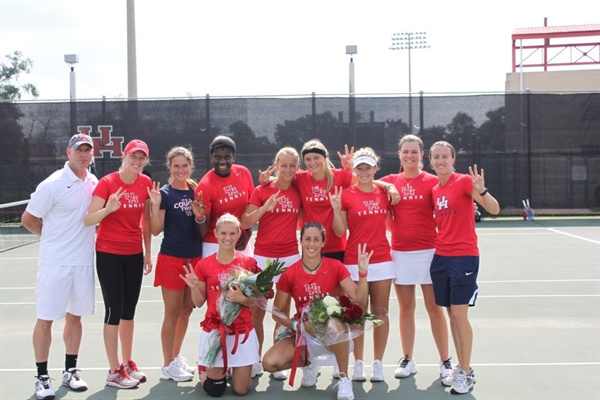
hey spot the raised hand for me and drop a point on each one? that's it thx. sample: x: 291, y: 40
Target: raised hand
x: 190, y: 277
x: 114, y: 200
x: 198, y: 208
x: 363, y: 258
x: 478, y: 180
x: 272, y: 201
x: 154, y: 193
x: 346, y: 158
x: 336, y: 198
x: 264, y: 177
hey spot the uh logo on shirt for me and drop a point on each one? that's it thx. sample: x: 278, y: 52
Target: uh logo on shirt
x: 318, y: 194
x: 232, y: 193
x: 223, y: 277
x: 313, y: 291
x: 442, y: 207
x: 285, y: 205
x: 131, y: 201
x: 371, y: 208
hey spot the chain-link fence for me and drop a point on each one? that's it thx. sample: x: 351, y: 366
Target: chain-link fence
x: 545, y: 147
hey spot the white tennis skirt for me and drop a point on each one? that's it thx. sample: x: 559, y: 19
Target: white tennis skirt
x: 412, y: 267
x: 377, y: 272
x: 246, y: 354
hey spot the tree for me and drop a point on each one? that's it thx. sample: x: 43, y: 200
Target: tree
x: 461, y: 131
x: 492, y: 131
x: 13, y: 66
x: 297, y: 132
x: 11, y: 132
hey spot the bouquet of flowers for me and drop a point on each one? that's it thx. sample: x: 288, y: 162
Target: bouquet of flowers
x: 322, y: 309
x: 259, y: 286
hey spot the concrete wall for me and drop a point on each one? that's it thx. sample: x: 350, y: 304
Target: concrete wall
x: 555, y: 81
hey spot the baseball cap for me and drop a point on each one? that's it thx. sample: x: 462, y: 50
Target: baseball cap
x: 137, y: 145
x: 79, y: 139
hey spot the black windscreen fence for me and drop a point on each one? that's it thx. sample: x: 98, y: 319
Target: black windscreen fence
x: 545, y: 147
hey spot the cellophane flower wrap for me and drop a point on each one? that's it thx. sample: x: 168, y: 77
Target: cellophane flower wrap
x: 258, y: 286
x: 322, y: 310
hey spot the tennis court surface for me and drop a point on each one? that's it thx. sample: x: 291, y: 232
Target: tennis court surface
x: 536, y: 328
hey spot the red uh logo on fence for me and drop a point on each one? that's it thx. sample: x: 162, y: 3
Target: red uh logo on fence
x: 106, y: 142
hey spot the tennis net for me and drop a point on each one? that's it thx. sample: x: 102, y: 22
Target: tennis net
x: 12, y: 232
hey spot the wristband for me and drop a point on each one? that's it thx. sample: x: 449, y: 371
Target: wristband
x: 200, y: 222
x: 294, y: 325
x: 361, y: 275
x: 388, y: 186
x: 483, y: 193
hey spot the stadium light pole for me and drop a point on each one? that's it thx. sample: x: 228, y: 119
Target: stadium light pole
x: 351, y: 51
x: 409, y: 41
x: 72, y: 59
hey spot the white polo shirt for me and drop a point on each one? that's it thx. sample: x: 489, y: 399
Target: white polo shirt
x: 61, y: 201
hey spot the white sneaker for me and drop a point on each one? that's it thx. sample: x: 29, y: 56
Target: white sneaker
x: 184, y: 363
x: 257, y: 369
x: 445, y: 367
x: 377, y: 372
x: 175, y: 371
x: 358, y: 371
x: 336, y: 372
x: 449, y: 380
x: 43, y: 388
x: 406, y: 368
x: 72, y: 380
x: 121, y: 379
x: 462, y: 383
x: 133, y: 371
x: 309, y: 375
x: 345, y: 389
x: 280, y: 375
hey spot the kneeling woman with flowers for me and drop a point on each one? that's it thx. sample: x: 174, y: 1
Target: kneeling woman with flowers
x: 229, y: 339
x: 318, y: 334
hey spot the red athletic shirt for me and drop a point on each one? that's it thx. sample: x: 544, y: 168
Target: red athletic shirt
x: 120, y: 232
x: 303, y: 286
x: 224, y: 195
x: 414, y: 226
x: 215, y: 275
x: 316, y: 205
x: 455, y: 218
x: 276, y: 236
x: 366, y: 214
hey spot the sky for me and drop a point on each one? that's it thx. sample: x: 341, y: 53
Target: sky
x: 190, y: 48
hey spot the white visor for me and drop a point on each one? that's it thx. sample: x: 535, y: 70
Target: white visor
x: 364, y: 160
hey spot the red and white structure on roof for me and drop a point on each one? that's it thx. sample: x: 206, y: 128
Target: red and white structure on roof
x: 556, y: 46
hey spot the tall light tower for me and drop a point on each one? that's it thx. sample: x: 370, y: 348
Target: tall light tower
x: 409, y: 41
x: 131, y: 52
x: 72, y: 59
x: 351, y: 51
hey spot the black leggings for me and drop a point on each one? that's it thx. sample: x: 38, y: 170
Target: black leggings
x: 120, y: 278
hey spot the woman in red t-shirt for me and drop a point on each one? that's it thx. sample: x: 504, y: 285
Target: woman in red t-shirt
x: 206, y: 280
x: 315, y: 276
x: 363, y: 210
x: 455, y: 265
x: 413, y: 245
x: 275, y: 206
x: 224, y: 189
x: 121, y: 206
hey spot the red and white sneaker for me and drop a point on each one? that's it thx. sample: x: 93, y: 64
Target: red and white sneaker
x: 134, y: 372
x: 121, y: 379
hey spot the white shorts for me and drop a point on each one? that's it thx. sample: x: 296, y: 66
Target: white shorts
x: 412, y: 267
x: 262, y: 262
x: 62, y: 289
x: 246, y: 354
x: 377, y: 272
x: 208, y: 249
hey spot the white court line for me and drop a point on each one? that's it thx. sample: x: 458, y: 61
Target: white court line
x: 509, y: 281
x: 562, y: 364
x: 500, y: 296
x: 575, y: 236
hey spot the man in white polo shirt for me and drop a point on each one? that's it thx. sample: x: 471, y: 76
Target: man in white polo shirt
x: 65, y: 276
